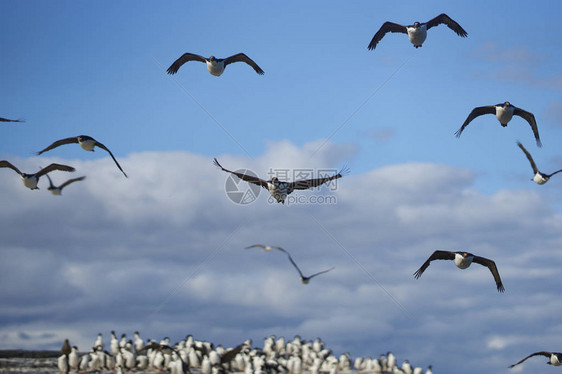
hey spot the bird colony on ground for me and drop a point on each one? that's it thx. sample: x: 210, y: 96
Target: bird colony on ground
x: 276, y: 356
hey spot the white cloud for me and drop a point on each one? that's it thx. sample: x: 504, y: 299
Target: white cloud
x: 163, y: 253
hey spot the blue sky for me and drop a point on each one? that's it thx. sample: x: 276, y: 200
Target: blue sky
x: 98, y: 68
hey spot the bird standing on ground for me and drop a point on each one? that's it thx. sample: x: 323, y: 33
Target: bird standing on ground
x: 86, y: 142
x: 215, y: 65
x: 418, y: 31
x: 30, y: 180
x: 539, y: 178
x: 504, y: 113
x: 463, y: 261
x: 280, y: 190
x: 555, y: 358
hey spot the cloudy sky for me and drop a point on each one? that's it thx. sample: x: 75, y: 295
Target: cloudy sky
x: 162, y: 252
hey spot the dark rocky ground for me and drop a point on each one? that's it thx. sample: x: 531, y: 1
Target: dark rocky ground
x: 19, y: 361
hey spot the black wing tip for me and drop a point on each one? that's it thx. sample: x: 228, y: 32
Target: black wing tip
x: 418, y: 273
x: 216, y: 163
x: 345, y: 170
x: 458, y: 133
x: 171, y: 70
x: 260, y: 71
x: 501, y: 288
x: 539, y: 144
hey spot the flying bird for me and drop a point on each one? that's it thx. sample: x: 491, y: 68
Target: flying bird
x: 418, y: 31
x: 463, y: 261
x: 265, y: 247
x: 57, y: 190
x: 504, y: 112
x: 280, y: 190
x: 30, y: 180
x: 10, y: 120
x: 539, y: 178
x: 86, y: 142
x: 555, y: 358
x: 215, y: 65
x: 305, y: 279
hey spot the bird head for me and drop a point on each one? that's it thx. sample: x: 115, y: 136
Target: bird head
x: 416, y: 24
x: 212, y: 58
x: 464, y: 254
x: 506, y: 104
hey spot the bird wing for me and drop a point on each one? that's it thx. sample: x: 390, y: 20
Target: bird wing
x: 51, y: 185
x: 229, y: 355
x: 10, y: 120
x: 385, y: 28
x: 241, y: 57
x: 479, y: 111
x: 533, y: 165
x: 6, y: 164
x: 74, y: 139
x: 263, y: 247
x: 437, y: 255
x: 52, y: 167
x: 310, y: 183
x: 547, y: 354
x: 111, y: 154
x: 529, y: 117
x: 68, y: 181
x: 445, y: 19
x: 558, y: 171
x: 492, y: 266
x: 321, y: 272
x: 247, y: 178
x: 173, y: 69
x: 295, y: 265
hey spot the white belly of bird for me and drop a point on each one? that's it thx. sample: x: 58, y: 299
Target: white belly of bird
x: 463, y: 262
x: 554, y: 360
x: 504, y: 114
x: 279, y: 192
x: 539, y: 179
x: 30, y: 182
x: 417, y: 35
x: 215, y: 68
x: 55, y: 191
x: 88, y: 144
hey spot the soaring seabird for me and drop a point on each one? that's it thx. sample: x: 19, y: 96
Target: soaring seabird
x: 10, y: 120
x: 265, y: 247
x: 539, y: 178
x: 504, y: 112
x: 555, y: 358
x: 463, y: 261
x: 418, y: 31
x: 280, y: 190
x: 57, y: 190
x: 30, y: 180
x: 215, y: 65
x: 305, y: 279
x: 86, y: 142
